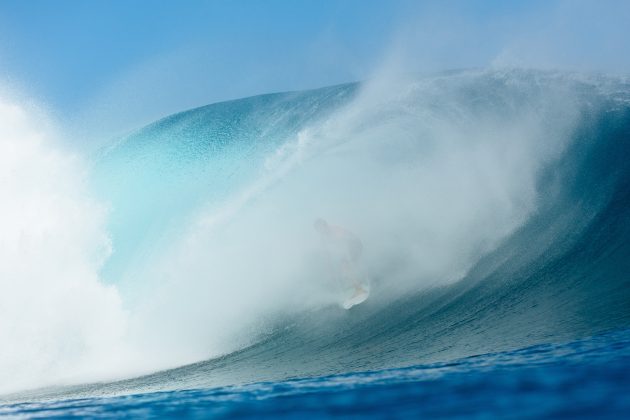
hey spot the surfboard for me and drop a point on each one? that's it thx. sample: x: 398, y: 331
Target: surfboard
x: 356, y: 299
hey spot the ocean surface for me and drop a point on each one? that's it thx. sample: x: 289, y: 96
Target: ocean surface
x: 494, y: 211
x: 585, y: 378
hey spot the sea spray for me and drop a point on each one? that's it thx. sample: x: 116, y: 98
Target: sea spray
x: 58, y: 323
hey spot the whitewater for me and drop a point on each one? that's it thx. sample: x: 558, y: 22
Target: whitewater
x: 179, y: 263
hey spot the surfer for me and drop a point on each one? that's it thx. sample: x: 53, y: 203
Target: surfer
x: 348, y: 248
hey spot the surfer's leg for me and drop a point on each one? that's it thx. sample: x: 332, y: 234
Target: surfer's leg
x: 351, y: 274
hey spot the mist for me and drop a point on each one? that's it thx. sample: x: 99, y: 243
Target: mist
x: 59, y: 323
x: 425, y: 175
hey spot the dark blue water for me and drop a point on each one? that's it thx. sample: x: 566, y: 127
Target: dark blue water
x: 584, y: 378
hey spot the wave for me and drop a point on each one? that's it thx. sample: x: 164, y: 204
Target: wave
x: 491, y: 204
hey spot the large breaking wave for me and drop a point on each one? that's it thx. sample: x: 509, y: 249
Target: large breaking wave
x: 491, y: 204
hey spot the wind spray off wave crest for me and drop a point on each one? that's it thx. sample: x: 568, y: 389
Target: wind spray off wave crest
x: 434, y: 172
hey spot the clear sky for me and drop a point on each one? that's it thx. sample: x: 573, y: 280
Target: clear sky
x: 117, y: 64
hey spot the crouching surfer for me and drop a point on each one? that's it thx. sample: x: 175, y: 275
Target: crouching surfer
x: 346, y: 248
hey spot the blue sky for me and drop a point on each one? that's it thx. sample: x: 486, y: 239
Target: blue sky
x: 118, y: 64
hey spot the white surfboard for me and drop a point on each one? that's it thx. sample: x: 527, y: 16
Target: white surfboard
x: 356, y: 299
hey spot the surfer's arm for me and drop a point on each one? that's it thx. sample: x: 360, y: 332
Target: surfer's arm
x: 351, y: 243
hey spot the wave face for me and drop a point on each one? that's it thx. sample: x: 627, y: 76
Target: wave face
x: 492, y: 206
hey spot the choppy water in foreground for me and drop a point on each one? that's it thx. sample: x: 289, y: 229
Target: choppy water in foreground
x: 584, y: 378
